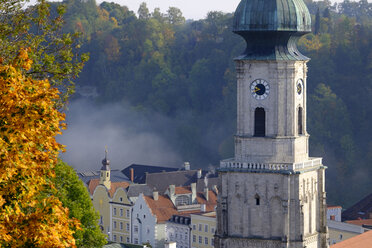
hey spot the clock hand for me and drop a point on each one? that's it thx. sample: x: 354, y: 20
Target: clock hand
x: 256, y: 89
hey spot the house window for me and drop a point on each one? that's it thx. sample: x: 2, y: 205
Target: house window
x: 300, y: 127
x: 127, y: 213
x: 135, y: 229
x: 121, y: 225
x: 107, y: 174
x: 194, y: 227
x: 121, y: 212
x: 114, y: 224
x: 206, y: 240
x: 212, y: 230
x: 101, y: 220
x: 136, y: 241
x: 212, y: 241
x: 340, y: 236
x: 121, y: 199
x: 128, y: 240
x: 206, y: 228
x: 200, y: 240
x: 194, y: 238
x: 128, y: 227
x: 148, y: 230
x: 200, y: 227
x: 114, y: 237
x: 114, y: 211
x: 121, y: 239
x: 259, y: 122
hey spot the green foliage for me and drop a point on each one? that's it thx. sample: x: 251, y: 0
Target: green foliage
x: 38, y: 27
x: 74, y: 195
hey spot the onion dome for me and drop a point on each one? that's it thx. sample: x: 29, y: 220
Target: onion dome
x: 105, y: 163
x: 271, y: 28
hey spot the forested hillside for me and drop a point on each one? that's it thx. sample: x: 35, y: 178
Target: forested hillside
x: 161, y: 64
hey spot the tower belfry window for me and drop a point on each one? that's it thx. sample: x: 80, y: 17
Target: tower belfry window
x: 257, y: 197
x: 300, y: 126
x: 259, y: 122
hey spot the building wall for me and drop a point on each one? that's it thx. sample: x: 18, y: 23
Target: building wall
x: 202, y: 231
x: 335, y: 212
x: 340, y: 231
x: 267, y: 206
x: 121, y: 216
x: 143, y: 223
x: 101, y: 203
x: 178, y: 233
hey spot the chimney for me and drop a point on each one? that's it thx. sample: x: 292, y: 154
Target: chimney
x: 199, y: 173
x: 172, y: 190
x: 155, y: 195
x: 203, y: 208
x: 206, y: 193
x: 215, y: 189
x: 186, y: 166
x: 193, y: 192
x: 132, y: 175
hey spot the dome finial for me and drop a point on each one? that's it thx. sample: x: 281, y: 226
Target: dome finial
x: 105, y: 161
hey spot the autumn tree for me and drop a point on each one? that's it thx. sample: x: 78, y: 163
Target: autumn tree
x: 39, y: 27
x: 29, y: 123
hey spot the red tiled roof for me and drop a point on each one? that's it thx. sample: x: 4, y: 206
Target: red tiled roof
x: 363, y: 240
x: 212, y: 200
x: 360, y: 222
x: 331, y: 207
x: 183, y: 190
x: 162, y: 209
x: 92, y: 185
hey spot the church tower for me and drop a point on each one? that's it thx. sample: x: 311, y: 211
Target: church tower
x: 104, y: 178
x: 272, y: 194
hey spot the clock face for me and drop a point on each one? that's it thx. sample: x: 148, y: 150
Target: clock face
x: 299, y: 87
x: 260, y: 89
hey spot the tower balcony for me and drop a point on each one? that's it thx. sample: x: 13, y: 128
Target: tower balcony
x: 285, y: 168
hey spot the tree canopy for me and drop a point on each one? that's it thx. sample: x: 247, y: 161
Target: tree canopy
x: 29, y: 123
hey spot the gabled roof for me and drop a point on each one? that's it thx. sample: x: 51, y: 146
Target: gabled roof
x: 141, y: 170
x: 92, y: 185
x: 363, y: 240
x: 135, y: 190
x: 161, y: 181
x: 360, y: 210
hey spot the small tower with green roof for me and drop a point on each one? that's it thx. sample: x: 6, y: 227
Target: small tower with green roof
x: 271, y: 193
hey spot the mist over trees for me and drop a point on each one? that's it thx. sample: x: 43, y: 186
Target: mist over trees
x: 160, y: 63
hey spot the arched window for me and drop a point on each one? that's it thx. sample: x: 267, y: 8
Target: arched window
x: 259, y: 122
x: 299, y: 125
x: 257, y: 197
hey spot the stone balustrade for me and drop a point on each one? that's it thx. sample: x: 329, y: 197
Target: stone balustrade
x: 232, y: 164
